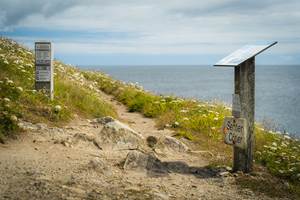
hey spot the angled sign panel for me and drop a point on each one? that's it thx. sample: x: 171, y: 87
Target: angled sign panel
x: 243, y: 54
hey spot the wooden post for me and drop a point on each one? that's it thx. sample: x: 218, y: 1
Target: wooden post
x: 244, y: 86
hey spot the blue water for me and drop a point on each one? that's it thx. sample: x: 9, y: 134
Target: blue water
x: 277, y: 88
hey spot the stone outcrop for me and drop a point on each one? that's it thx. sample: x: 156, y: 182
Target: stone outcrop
x: 117, y: 135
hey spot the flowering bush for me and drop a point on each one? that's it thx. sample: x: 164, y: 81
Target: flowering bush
x: 9, y: 109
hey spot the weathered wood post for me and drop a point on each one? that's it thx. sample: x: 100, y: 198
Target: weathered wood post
x: 239, y: 129
x: 44, y: 67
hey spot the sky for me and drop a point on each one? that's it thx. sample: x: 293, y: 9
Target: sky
x: 155, y: 32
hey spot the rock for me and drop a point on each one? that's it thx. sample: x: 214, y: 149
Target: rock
x: 136, y: 160
x: 143, y: 162
x: 224, y: 174
x: 174, y: 144
x: 228, y: 168
x: 27, y: 126
x: 151, y: 141
x: 99, y: 166
x: 103, y: 120
x: 116, y: 135
x: 87, y: 138
x: 41, y: 126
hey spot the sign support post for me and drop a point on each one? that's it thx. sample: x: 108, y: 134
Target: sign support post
x: 243, y: 61
x: 244, y: 86
x: 44, y: 67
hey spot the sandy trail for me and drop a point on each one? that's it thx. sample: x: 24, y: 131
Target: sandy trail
x: 52, y: 163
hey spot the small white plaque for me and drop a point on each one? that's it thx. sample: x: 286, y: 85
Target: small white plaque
x: 235, y: 131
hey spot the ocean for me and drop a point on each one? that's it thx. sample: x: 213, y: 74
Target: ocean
x: 277, y: 89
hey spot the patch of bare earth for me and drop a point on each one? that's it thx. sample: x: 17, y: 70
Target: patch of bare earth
x: 109, y: 159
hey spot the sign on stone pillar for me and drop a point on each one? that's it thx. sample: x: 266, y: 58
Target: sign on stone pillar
x: 239, y: 129
x: 44, y: 67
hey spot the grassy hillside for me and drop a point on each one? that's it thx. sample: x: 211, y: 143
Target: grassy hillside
x: 18, y: 99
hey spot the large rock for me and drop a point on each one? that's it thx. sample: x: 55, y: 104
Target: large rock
x: 117, y: 135
x: 139, y: 161
x: 172, y: 143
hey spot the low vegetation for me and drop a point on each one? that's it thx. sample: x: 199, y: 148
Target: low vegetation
x: 201, y: 122
x: 18, y: 99
x: 76, y: 93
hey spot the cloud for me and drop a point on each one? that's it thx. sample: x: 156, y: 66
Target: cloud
x: 14, y: 11
x: 155, y: 27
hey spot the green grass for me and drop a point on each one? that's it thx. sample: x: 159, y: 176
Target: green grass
x: 18, y: 99
x: 201, y: 123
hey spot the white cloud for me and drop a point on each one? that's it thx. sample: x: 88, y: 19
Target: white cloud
x: 158, y: 27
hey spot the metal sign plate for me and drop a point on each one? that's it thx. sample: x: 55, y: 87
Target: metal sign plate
x: 235, y: 131
x: 243, y: 54
x: 43, y: 73
x: 43, y: 62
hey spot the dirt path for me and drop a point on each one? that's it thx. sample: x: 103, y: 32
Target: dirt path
x: 138, y: 122
x: 68, y: 163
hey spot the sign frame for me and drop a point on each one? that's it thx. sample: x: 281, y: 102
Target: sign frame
x: 44, y: 67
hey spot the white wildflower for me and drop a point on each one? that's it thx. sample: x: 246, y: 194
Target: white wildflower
x: 216, y: 119
x: 176, y: 123
x: 10, y: 82
x: 20, y: 89
x: 273, y: 148
x: 183, y: 111
x: 281, y: 171
x: 6, y: 99
x: 283, y: 144
x: 287, y: 137
x: 13, y: 118
x: 185, y: 119
x: 274, y: 144
x: 213, y: 128
x: 57, y: 108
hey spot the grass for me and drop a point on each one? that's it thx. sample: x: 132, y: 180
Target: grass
x: 76, y: 93
x: 201, y: 123
x: 18, y: 99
